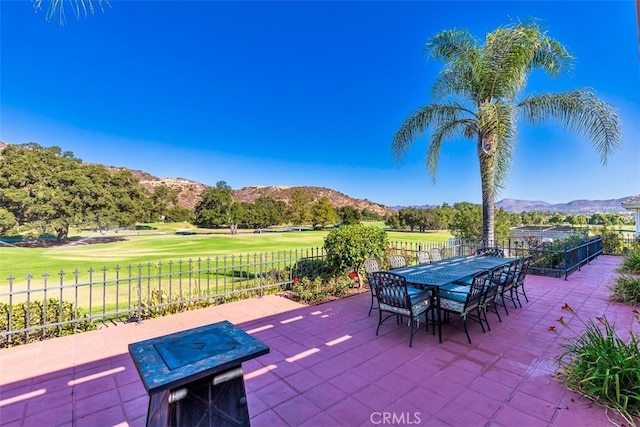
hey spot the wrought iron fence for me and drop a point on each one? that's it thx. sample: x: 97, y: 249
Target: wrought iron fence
x: 62, y: 303
x: 549, y: 259
x: 33, y: 308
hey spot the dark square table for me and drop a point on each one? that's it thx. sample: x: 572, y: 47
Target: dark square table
x: 194, y: 377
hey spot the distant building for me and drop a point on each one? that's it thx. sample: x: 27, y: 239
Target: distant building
x: 544, y: 233
x: 633, y: 204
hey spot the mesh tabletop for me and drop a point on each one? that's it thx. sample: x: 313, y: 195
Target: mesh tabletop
x: 449, y: 270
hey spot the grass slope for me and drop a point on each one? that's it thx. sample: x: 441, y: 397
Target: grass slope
x: 126, y: 248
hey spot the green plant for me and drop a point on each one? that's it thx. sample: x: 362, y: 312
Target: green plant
x: 600, y: 365
x: 318, y: 290
x: 43, y: 319
x: 626, y: 289
x: 349, y: 245
x: 631, y: 262
x: 310, y: 267
x: 612, y: 241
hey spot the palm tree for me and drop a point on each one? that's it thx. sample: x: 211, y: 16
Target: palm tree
x: 78, y: 8
x: 477, y: 96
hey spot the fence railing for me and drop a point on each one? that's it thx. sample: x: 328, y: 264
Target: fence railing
x: 62, y: 303
x: 548, y: 259
x: 33, y: 308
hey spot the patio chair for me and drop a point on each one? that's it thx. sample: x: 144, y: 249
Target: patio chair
x: 466, y: 304
x: 518, y: 284
x: 488, y: 301
x: 490, y: 251
x: 397, y: 261
x: 395, y: 299
x: 423, y: 257
x: 505, y: 285
x: 371, y: 265
x: 436, y: 254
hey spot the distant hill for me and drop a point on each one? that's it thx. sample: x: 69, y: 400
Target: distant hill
x: 337, y: 199
x: 190, y: 191
x: 573, y: 207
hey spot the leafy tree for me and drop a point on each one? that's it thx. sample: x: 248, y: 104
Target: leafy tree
x: 47, y: 189
x: 349, y: 215
x: 216, y: 208
x: 428, y: 219
x: 162, y: 198
x: 323, y: 213
x: 445, y: 214
x: 132, y: 201
x: 409, y: 217
x: 503, y: 224
x: 477, y: 96
x: 300, y: 207
x: 599, y: 219
x: 467, y: 221
x: 368, y: 215
x: 392, y: 221
x: 264, y: 212
x: 179, y: 214
x: 556, y: 218
x: 532, y: 218
x: 349, y: 245
x: 7, y: 221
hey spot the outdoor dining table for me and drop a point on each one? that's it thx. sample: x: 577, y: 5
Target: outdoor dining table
x: 440, y: 273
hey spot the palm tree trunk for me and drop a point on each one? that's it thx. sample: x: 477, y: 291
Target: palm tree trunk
x: 487, y: 177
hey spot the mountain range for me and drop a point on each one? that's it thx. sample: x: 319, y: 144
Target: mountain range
x: 190, y: 191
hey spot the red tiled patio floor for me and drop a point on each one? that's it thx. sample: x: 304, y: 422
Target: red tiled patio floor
x: 327, y: 368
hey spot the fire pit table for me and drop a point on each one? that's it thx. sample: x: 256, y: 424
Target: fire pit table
x: 194, y: 377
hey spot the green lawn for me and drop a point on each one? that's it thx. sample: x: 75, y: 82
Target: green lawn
x: 131, y: 247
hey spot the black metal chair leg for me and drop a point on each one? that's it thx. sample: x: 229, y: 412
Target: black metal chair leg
x: 504, y: 304
x: 464, y: 323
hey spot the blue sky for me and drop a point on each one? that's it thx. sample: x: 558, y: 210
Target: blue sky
x: 304, y: 93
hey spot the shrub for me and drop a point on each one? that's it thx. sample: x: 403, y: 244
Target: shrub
x: 612, y: 241
x: 631, y: 262
x: 315, y: 291
x: 349, y: 245
x: 602, y: 366
x: 626, y: 289
x: 39, y: 317
x: 310, y: 267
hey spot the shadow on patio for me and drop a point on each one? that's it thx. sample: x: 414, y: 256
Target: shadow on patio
x: 327, y: 368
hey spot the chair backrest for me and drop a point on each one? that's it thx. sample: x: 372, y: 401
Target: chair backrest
x: 477, y: 291
x: 491, y: 285
x: 397, y: 261
x: 522, y: 269
x: 509, y: 274
x: 371, y: 265
x: 490, y: 251
x: 423, y: 257
x: 435, y: 254
x: 391, y: 290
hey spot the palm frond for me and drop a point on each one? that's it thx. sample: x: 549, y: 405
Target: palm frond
x: 78, y: 7
x: 448, y: 129
x: 453, y: 81
x: 580, y: 111
x: 452, y: 46
x: 420, y: 121
x: 511, y: 53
